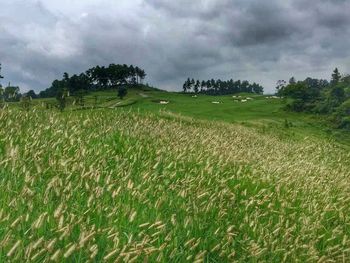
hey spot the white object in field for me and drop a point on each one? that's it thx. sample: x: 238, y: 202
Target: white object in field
x: 164, y: 102
x: 195, y: 96
x: 249, y: 98
x: 244, y: 100
x: 215, y: 102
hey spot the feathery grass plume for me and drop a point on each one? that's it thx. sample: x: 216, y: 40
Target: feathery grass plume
x: 13, y: 249
x: 56, y: 255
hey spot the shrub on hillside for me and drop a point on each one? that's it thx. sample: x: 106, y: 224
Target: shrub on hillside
x: 342, y: 115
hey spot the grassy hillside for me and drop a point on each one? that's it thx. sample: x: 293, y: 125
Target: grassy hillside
x: 115, y: 183
x: 264, y: 113
x: 112, y: 184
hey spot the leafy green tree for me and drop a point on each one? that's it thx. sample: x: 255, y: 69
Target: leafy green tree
x: 122, y: 92
x: 337, y: 95
x: 31, y: 94
x: 280, y: 85
x: 196, y: 86
x: 336, y: 76
x: 191, y: 85
x: 141, y: 74
x: 256, y: 88
x: 11, y: 93
x: 292, y: 80
x: 219, y: 87
x: 208, y: 85
x: 97, y: 78
x: 186, y: 85
x: 245, y: 86
x: 301, y: 94
x: 346, y: 80
x: 322, y: 97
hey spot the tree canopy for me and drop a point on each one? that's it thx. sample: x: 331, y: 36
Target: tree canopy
x: 97, y: 78
x: 219, y: 87
x: 321, y: 97
x: 11, y: 93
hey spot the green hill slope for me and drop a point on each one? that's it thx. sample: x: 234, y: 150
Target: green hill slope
x: 112, y: 184
x: 262, y: 112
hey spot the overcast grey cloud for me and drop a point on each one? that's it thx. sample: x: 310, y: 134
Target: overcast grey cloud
x: 260, y: 41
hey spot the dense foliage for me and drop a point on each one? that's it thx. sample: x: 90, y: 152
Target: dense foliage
x: 11, y: 93
x: 321, y: 97
x: 219, y: 87
x: 97, y: 78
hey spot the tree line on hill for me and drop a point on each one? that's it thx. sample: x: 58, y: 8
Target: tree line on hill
x: 219, y: 87
x: 95, y: 79
x: 331, y: 98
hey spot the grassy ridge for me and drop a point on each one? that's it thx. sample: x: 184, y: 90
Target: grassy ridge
x: 110, y: 184
x: 267, y: 115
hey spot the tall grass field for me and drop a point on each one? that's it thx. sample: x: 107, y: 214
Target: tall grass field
x: 118, y: 185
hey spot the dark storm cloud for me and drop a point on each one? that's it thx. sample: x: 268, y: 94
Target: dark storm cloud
x: 257, y: 40
x: 263, y: 24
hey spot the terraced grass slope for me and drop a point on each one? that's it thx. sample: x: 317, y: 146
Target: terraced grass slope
x: 117, y: 185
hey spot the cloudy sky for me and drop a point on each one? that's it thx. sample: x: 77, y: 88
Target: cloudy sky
x: 257, y: 40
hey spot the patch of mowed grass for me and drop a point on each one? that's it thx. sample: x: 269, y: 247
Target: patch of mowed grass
x: 117, y: 185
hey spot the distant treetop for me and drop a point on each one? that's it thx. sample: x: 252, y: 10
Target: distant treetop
x: 219, y: 87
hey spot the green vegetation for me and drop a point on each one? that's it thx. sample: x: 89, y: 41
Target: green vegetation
x: 11, y: 93
x: 113, y: 184
x: 321, y: 97
x: 265, y: 113
x: 97, y: 78
x: 122, y: 91
x: 219, y: 87
x: 134, y: 174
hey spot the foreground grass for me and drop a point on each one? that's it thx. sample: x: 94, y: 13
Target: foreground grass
x: 113, y: 185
